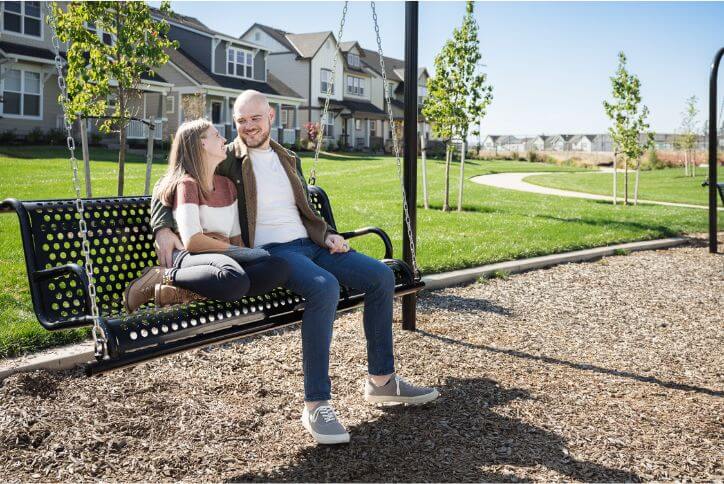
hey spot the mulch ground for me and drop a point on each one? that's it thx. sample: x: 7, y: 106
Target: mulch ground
x: 604, y: 371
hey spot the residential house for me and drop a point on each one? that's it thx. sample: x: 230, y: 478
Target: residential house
x: 28, y: 80
x: 490, y: 142
x: 212, y: 68
x: 357, y: 106
x: 560, y: 142
x: 539, y: 143
x: 582, y: 142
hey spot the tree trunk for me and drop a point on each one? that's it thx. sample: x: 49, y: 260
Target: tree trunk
x: 692, y: 157
x: 636, y: 182
x: 625, y: 181
x: 615, y: 178
x: 446, y: 203
x: 86, y: 156
x: 122, y: 140
x: 423, y: 149
x: 149, y: 156
x: 462, y: 176
x: 686, y: 162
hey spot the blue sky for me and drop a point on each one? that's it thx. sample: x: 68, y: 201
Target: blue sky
x: 549, y: 62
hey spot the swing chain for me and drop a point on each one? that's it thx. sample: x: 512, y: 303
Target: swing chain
x: 99, y: 336
x: 325, y: 110
x: 395, y: 144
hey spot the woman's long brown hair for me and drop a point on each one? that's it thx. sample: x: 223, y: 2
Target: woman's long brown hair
x: 186, y: 158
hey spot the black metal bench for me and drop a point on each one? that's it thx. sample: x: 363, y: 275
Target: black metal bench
x: 121, y: 246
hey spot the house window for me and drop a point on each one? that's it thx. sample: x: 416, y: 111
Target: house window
x: 358, y: 124
x: 353, y: 59
x: 355, y: 85
x: 329, y: 128
x: 22, y: 93
x: 111, y: 100
x: 23, y: 18
x: 285, y: 117
x: 239, y: 62
x: 373, y: 127
x: 326, y: 84
x: 104, y: 37
x: 421, y: 94
x: 257, y: 36
x: 170, y: 104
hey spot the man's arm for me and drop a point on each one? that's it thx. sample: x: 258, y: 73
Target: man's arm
x: 163, y: 225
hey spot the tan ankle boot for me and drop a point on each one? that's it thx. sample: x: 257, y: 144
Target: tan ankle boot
x: 166, y: 295
x: 141, y: 290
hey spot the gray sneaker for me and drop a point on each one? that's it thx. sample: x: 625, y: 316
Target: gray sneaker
x: 398, y: 390
x: 322, y: 423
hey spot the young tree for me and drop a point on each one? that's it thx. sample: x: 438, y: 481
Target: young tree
x: 99, y: 67
x: 458, y: 94
x: 629, y: 123
x: 687, y: 139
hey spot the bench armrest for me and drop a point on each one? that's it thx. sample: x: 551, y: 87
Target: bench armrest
x: 372, y: 230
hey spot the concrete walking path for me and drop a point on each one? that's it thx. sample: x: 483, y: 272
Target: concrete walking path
x: 516, y: 181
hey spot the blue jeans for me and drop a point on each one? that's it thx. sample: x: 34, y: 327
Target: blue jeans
x: 316, y: 274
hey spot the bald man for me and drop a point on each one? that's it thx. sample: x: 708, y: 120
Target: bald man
x: 275, y: 214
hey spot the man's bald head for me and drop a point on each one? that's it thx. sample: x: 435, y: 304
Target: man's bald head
x: 253, y: 118
x: 251, y: 99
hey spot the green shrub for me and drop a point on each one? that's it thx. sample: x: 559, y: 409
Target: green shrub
x: 8, y: 137
x: 55, y: 137
x: 652, y: 161
x: 35, y: 137
x: 94, y: 139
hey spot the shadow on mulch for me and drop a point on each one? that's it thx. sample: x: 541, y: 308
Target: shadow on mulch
x: 450, y: 440
x: 578, y: 366
x: 455, y: 303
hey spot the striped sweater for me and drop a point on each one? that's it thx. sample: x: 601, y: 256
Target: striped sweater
x: 194, y: 213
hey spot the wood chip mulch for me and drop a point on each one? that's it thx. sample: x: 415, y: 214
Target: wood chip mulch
x: 603, y: 371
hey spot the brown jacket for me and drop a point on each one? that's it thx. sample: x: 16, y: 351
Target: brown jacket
x: 237, y: 167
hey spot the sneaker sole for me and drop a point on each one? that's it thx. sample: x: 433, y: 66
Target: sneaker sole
x: 418, y: 400
x: 326, y: 439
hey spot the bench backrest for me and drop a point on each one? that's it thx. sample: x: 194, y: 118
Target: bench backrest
x: 121, y: 244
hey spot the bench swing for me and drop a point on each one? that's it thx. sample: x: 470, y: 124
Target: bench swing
x: 81, y: 253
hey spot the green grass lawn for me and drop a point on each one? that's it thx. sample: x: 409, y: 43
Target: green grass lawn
x: 666, y: 185
x: 496, y: 225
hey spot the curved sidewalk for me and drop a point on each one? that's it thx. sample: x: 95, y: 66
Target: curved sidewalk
x: 515, y: 181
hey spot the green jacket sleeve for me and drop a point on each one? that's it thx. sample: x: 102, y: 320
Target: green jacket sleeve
x: 161, y: 216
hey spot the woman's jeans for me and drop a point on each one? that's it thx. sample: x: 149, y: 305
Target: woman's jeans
x: 316, y: 274
x: 228, y: 276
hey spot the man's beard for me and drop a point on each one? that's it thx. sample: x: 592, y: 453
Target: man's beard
x: 264, y: 138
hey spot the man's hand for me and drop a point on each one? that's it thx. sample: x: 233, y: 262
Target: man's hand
x: 336, y: 244
x: 166, y: 241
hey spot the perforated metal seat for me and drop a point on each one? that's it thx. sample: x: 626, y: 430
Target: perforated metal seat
x: 121, y: 246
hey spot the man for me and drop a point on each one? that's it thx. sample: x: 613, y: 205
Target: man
x: 275, y: 215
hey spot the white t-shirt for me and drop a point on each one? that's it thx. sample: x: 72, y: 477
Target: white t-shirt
x: 277, y: 215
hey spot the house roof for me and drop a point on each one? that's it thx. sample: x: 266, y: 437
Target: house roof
x: 21, y: 49
x: 307, y: 45
x: 372, y: 60
x: 276, y: 34
x: 200, y: 74
x: 357, y: 107
x: 196, y: 24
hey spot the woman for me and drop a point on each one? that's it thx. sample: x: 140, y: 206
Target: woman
x: 214, y: 264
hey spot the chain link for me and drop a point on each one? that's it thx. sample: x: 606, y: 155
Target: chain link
x: 99, y: 336
x: 325, y: 110
x: 395, y: 142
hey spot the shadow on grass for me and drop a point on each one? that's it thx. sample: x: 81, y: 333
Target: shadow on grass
x: 578, y: 366
x: 449, y: 440
x: 660, y: 229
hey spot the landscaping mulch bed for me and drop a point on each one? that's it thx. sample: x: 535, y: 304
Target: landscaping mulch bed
x: 603, y: 371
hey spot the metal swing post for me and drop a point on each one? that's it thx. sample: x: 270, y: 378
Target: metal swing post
x: 409, y: 303
x: 713, y: 145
